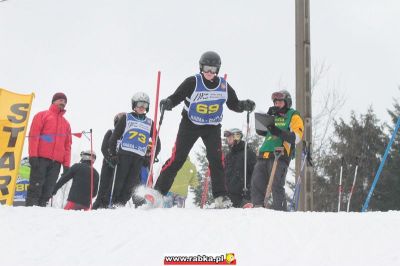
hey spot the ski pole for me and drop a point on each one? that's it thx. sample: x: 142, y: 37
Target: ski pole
x: 365, y: 207
x: 156, y: 132
x: 245, y: 153
x: 340, y: 183
x: 298, y: 180
x: 277, y: 153
x: 91, y: 168
x: 112, y: 187
x: 354, y: 183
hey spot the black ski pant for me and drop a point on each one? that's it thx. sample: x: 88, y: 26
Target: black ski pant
x: 188, y: 134
x: 237, y: 199
x: 106, y: 180
x: 127, y: 177
x: 259, y: 182
x: 43, y: 179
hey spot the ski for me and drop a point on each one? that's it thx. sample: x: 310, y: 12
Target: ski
x: 305, y: 157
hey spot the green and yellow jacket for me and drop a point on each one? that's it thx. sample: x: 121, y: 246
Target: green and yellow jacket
x: 289, y: 132
x: 187, y: 176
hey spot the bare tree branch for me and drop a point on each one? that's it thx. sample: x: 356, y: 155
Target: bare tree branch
x: 327, y: 110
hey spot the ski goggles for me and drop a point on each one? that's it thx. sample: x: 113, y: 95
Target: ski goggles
x: 278, y: 96
x: 228, y: 133
x: 142, y: 104
x: 210, y: 69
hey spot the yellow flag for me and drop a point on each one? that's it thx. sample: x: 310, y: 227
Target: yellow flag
x: 14, y: 117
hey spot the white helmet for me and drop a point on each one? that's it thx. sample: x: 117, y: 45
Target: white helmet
x: 140, y: 97
x: 237, y: 133
x: 87, y: 155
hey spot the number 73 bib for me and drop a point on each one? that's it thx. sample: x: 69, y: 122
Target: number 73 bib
x: 136, y: 136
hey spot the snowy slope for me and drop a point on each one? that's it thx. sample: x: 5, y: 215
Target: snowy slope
x: 49, y: 236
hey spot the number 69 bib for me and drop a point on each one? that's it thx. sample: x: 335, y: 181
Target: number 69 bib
x: 206, y: 105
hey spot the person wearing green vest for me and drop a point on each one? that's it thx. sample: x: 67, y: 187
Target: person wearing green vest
x: 285, y: 131
x: 187, y: 176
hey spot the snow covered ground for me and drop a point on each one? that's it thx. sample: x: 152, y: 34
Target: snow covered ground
x: 51, y: 236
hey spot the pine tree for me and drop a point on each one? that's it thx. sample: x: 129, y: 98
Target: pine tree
x: 387, y: 192
x: 362, y: 138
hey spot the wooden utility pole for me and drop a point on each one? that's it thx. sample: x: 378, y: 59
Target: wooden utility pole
x: 303, y: 98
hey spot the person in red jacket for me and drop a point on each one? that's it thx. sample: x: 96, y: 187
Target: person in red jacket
x: 49, y: 147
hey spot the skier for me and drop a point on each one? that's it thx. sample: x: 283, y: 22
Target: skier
x: 49, y: 147
x: 186, y: 176
x: 234, y: 167
x: 107, y: 170
x: 134, y: 130
x: 80, y: 173
x: 204, y: 95
x: 286, y: 130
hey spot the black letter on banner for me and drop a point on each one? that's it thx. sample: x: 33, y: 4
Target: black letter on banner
x: 16, y: 109
x: 14, y: 135
x: 4, y: 181
x: 10, y: 157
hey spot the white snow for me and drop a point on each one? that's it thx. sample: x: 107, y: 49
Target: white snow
x: 50, y: 236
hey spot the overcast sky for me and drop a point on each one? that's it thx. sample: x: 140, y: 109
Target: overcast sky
x: 99, y: 53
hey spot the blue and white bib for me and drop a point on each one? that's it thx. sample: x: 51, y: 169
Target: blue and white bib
x: 206, y: 105
x: 136, y: 136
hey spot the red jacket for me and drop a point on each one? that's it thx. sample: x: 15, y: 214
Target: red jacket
x: 50, y: 136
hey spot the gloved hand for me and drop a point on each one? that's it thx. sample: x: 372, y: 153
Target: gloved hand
x: 146, y: 161
x: 248, y: 105
x: 273, y: 110
x: 108, y: 161
x: 65, y: 169
x: 114, y: 160
x: 34, y: 162
x: 275, y: 130
x: 166, y: 104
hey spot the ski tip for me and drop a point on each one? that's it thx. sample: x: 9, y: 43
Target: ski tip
x: 149, y: 199
x: 248, y: 205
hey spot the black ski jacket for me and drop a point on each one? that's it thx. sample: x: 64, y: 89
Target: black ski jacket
x: 80, y: 188
x: 119, y: 131
x: 234, y: 168
x: 186, y: 89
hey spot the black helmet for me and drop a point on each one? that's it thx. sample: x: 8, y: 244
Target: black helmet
x: 210, y: 58
x: 283, y: 95
x: 117, y: 117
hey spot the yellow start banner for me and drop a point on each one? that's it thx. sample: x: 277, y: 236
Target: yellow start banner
x: 14, y: 117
